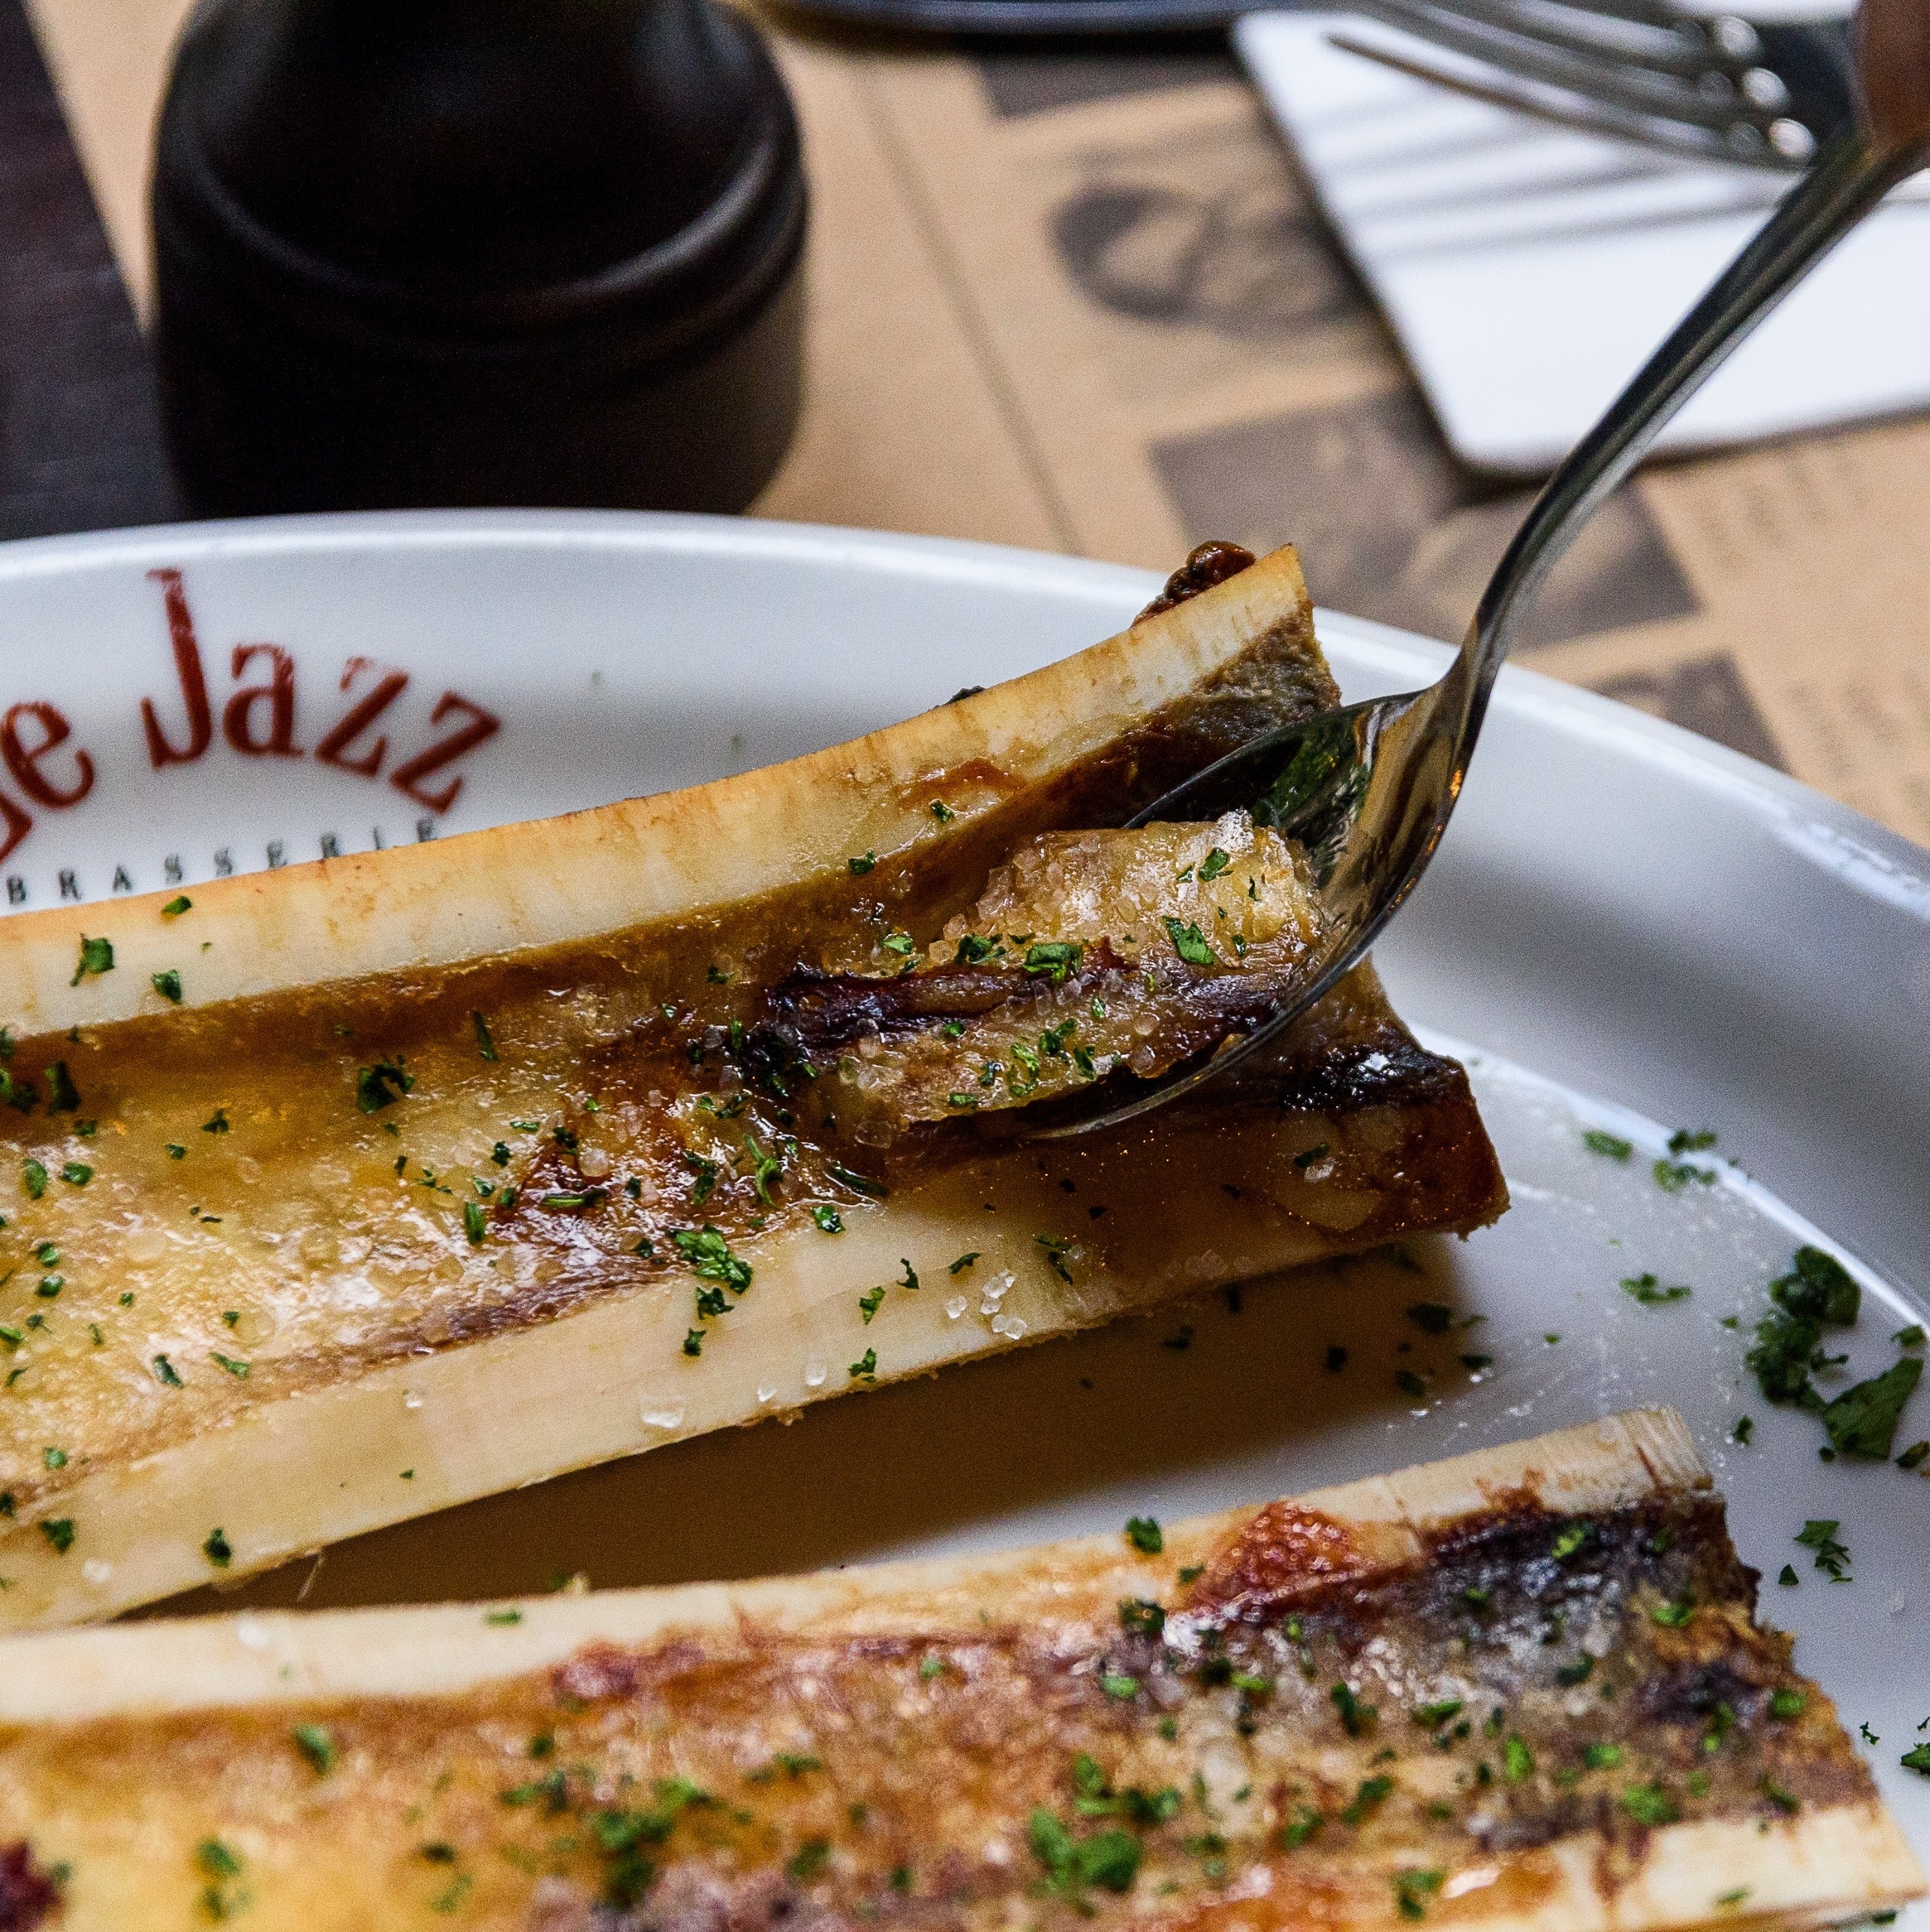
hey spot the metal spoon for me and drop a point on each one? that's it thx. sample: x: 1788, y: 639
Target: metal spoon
x: 1369, y: 788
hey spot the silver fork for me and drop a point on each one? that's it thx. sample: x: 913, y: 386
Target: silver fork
x: 1767, y: 95
x: 1369, y: 788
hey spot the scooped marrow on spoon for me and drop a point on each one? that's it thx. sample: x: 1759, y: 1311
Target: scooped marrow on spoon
x: 341, y: 1193
x: 1089, y: 953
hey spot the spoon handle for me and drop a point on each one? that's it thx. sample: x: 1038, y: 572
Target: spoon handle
x: 1848, y: 179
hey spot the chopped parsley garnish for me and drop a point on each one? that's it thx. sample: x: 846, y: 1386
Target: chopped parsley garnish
x: 1369, y: 1795
x: 974, y: 949
x: 1611, y: 1144
x: 902, y: 944
x: 860, y: 867
x: 865, y: 1369
x: 1411, y: 1384
x: 1432, y: 1317
x: 1674, y: 1615
x: 164, y: 1373
x: 176, y: 907
x: 176, y: 1151
x: 828, y: 1218
x: 710, y: 1257
x: 1142, y: 1617
x: 1910, y: 1337
x: 1832, y: 1558
x: 694, y: 1341
x: 807, y: 1860
x: 1688, y: 1140
x: 239, y: 1370
x: 1862, y: 1421
x: 218, y: 1549
x: 1672, y: 1176
x: 315, y: 1743
x: 485, y: 1043
x: 1432, y: 1717
x: 1057, y: 1247
x: 59, y: 1531
x: 1474, y: 1364
x: 36, y: 1178
x: 1108, y: 1859
x: 77, y: 1173
x: 1916, y: 1759
x: 1744, y: 1433
x: 168, y: 985
x: 963, y: 1263
x: 1356, y: 1719
x: 1213, y: 864
x: 764, y: 1168
x: 1601, y: 1757
x: 213, y: 1860
x: 1569, y: 1539
x: 1649, y: 1804
x: 1053, y: 959
x: 1821, y: 1289
x: 1780, y: 1796
x: 63, y: 1097
x: 97, y: 957
x: 1411, y: 1887
x: 1145, y: 1534
x: 473, y: 1224
x: 1303, y: 1824
x: 1190, y: 943
x: 1914, y: 1457
x: 1117, y: 1684
x: 908, y: 1279
x: 53, y: 1458
x: 871, y: 1301
x: 1336, y: 1358
x: 859, y: 1183
x: 1785, y: 1704
x: 380, y: 1085
x: 1647, y: 1290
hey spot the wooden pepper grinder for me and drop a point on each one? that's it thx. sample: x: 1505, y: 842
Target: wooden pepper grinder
x: 476, y: 251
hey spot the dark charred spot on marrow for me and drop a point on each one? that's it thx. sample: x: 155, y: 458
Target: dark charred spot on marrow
x: 30, y: 1897
x: 1206, y: 565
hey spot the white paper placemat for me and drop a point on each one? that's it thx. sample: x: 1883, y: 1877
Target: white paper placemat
x: 1529, y: 270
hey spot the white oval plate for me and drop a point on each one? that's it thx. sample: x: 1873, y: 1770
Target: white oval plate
x: 1665, y: 933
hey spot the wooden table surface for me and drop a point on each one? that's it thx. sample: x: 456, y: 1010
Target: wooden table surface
x: 1078, y: 299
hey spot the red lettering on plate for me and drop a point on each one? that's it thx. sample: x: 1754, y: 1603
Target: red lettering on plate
x: 277, y: 694
x: 24, y: 760
x: 407, y: 778
x: 193, y: 686
x: 18, y: 825
x: 334, y: 749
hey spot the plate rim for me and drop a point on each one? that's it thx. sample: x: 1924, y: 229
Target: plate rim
x: 1853, y: 850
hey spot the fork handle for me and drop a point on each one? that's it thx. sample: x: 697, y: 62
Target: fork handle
x: 1848, y: 178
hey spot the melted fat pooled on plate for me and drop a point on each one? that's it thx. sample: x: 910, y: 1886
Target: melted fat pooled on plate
x: 1088, y: 952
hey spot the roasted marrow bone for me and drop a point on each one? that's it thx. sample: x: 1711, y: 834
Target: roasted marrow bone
x: 1376, y: 1704
x: 353, y: 1190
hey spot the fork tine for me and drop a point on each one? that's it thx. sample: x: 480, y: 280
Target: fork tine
x: 1520, y: 56
x: 1487, y: 33
x: 1675, y: 48
x: 1572, y: 110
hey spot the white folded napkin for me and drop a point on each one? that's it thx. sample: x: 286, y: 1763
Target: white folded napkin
x: 1529, y: 270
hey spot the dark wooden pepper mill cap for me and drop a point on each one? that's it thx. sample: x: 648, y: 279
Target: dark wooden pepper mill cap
x: 465, y: 252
